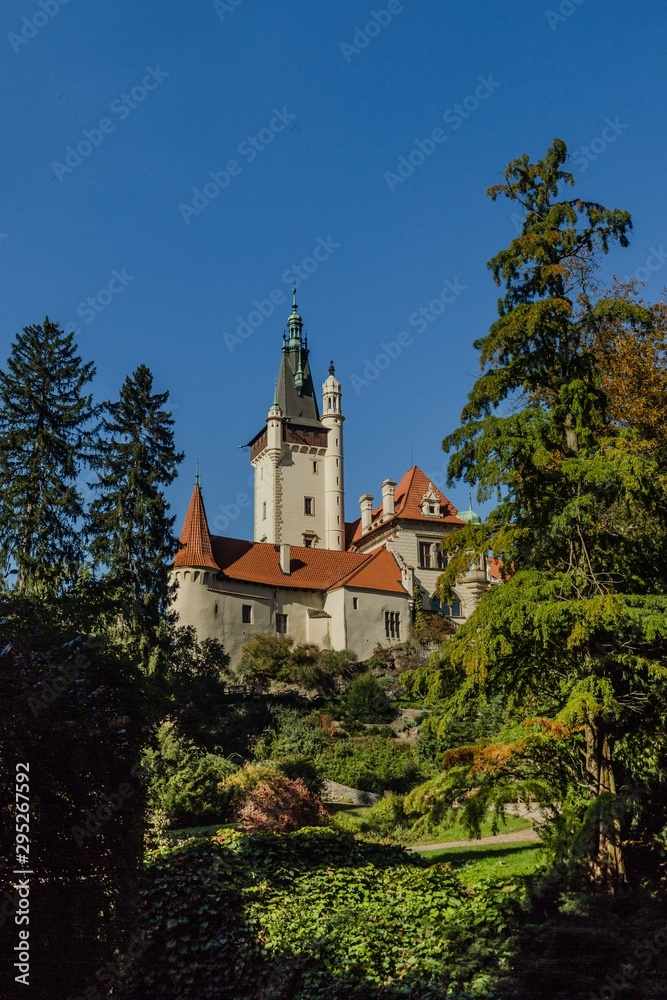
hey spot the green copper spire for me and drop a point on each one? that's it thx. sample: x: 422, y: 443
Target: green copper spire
x: 469, y: 516
x: 294, y: 323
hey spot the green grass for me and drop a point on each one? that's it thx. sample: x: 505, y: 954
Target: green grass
x: 358, y: 819
x: 498, y: 862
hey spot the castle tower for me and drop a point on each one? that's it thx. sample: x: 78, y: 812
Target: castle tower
x: 289, y: 455
x: 334, y: 494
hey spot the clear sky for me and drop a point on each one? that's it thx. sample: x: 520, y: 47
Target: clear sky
x: 118, y: 118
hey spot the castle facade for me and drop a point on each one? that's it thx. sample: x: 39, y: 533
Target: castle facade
x: 308, y: 573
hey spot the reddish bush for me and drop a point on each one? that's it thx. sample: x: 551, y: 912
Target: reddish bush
x: 281, y: 805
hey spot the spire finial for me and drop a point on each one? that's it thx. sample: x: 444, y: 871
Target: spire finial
x: 197, y: 476
x: 293, y: 292
x: 332, y: 370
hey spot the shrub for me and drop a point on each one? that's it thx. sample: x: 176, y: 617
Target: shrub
x: 371, y: 763
x: 184, y: 783
x: 267, y: 658
x: 366, y: 700
x: 312, y: 915
x: 281, y: 805
x: 292, y: 734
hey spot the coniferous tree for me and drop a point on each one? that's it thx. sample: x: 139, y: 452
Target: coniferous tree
x: 574, y: 641
x: 46, y: 436
x: 131, y: 532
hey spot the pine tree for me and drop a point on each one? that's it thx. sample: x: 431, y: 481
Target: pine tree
x: 131, y: 532
x: 47, y: 427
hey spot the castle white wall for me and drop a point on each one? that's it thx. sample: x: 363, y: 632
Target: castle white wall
x: 403, y: 539
x: 219, y: 616
x: 298, y: 482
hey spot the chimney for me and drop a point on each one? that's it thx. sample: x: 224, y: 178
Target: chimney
x: 388, y: 508
x: 285, y: 560
x: 366, y: 502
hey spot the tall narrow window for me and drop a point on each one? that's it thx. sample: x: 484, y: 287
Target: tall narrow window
x: 281, y: 624
x: 246, y: 614
x: 315, y: 468
x: 392, y: 624
x: 308, y: 505
x: 264, y: 510
x: 355, y: 603
x: 425, y: 555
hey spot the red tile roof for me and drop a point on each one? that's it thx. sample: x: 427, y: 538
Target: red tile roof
x: 379, y: 570
x: 195, y: 541
x: 408, y: 497
x: 311, y: 569
x: 495, y: 568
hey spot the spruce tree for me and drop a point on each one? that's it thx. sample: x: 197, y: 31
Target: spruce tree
x: 46, y: 436
x: 131, y: 532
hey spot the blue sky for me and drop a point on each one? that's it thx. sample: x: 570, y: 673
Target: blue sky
x: 115, y: 115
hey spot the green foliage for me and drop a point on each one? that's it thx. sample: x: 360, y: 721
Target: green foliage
x: 131, y: 532
x: 309, y: 915
x: 367, y: 701
x: 371, y: 763
x: 267, y: 658
x: 292, y: 734
x: 576, y: 633
x: 193, y: 680
x: 46, y: 437
x: 184, y: 783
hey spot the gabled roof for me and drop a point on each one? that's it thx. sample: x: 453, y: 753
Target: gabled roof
x: 408, y: 496
x: 379, y: 569
x: 195, y: 541
x: 310, y: 569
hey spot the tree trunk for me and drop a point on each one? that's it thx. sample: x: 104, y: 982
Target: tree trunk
x: 606, y: 850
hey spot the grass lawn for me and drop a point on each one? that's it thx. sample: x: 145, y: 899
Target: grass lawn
x: 499, y: 862
x: 354, y: 818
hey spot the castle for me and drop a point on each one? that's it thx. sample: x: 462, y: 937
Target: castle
x: 308, y: 573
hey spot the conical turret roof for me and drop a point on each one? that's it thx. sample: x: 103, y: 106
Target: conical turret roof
x: 195, y: 548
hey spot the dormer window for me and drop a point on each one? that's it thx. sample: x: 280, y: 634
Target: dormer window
x: 430, y: 505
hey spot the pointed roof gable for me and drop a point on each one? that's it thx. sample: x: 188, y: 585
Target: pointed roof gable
x: 195, y: 541
x: 380, y: 571
x: 298, y: 405
x: 408, y: 498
